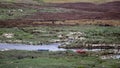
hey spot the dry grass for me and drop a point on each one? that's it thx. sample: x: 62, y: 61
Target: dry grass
x: 84, y: 22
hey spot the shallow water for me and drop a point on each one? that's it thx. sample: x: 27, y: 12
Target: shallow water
x: 50, y: 47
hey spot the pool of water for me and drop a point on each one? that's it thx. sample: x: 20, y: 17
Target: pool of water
x: 50, y: 47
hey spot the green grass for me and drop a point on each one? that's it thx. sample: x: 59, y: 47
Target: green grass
x: 11, y: 13
x: 20, y: 1
x: 98, y: 34
x: 34, y: 59
x: 44, y: 34
x: 55, y: 10
x: 18, y: 34
x: 105, y: 34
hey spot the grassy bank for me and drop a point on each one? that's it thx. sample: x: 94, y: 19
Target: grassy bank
x: 50, y: 34
x: 69, y: 59
x: 13, y: 13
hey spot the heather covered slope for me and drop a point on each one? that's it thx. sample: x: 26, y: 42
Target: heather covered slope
x: 57, y: 1
x: 110, y: 10
x: 61, y: 11
x: 73, y: 1
x: 81, y: 10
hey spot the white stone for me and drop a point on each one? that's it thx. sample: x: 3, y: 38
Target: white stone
x: 8, y: 35
x: 20, y: 10
x: 60, y: 36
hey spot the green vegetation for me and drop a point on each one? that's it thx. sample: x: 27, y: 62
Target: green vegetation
x: 7, y: 0
x: 11, y: 13
x: 45, y: 34
x: 39, y: 1
x: 104, y: 34
x: 56, y: 10
x: 73, y: 35
x: 18, y: 35
x: 69, y: 59
x: 20, y: 1
x: 93, y: 34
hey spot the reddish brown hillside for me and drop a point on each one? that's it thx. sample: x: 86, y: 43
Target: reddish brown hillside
x: 107, y: 11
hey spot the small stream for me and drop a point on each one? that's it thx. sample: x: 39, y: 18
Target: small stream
x: 50, y: 47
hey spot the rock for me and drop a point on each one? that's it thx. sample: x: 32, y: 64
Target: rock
x: 8, y: 35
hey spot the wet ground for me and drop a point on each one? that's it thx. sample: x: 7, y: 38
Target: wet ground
x: 50, y: 47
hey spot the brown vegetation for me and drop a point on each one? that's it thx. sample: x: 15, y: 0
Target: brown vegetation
x: 20, y: 22
x: 86, y: 13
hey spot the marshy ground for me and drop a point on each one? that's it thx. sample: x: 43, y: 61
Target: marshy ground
x: 72, y: 24
x: 91, y: 34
